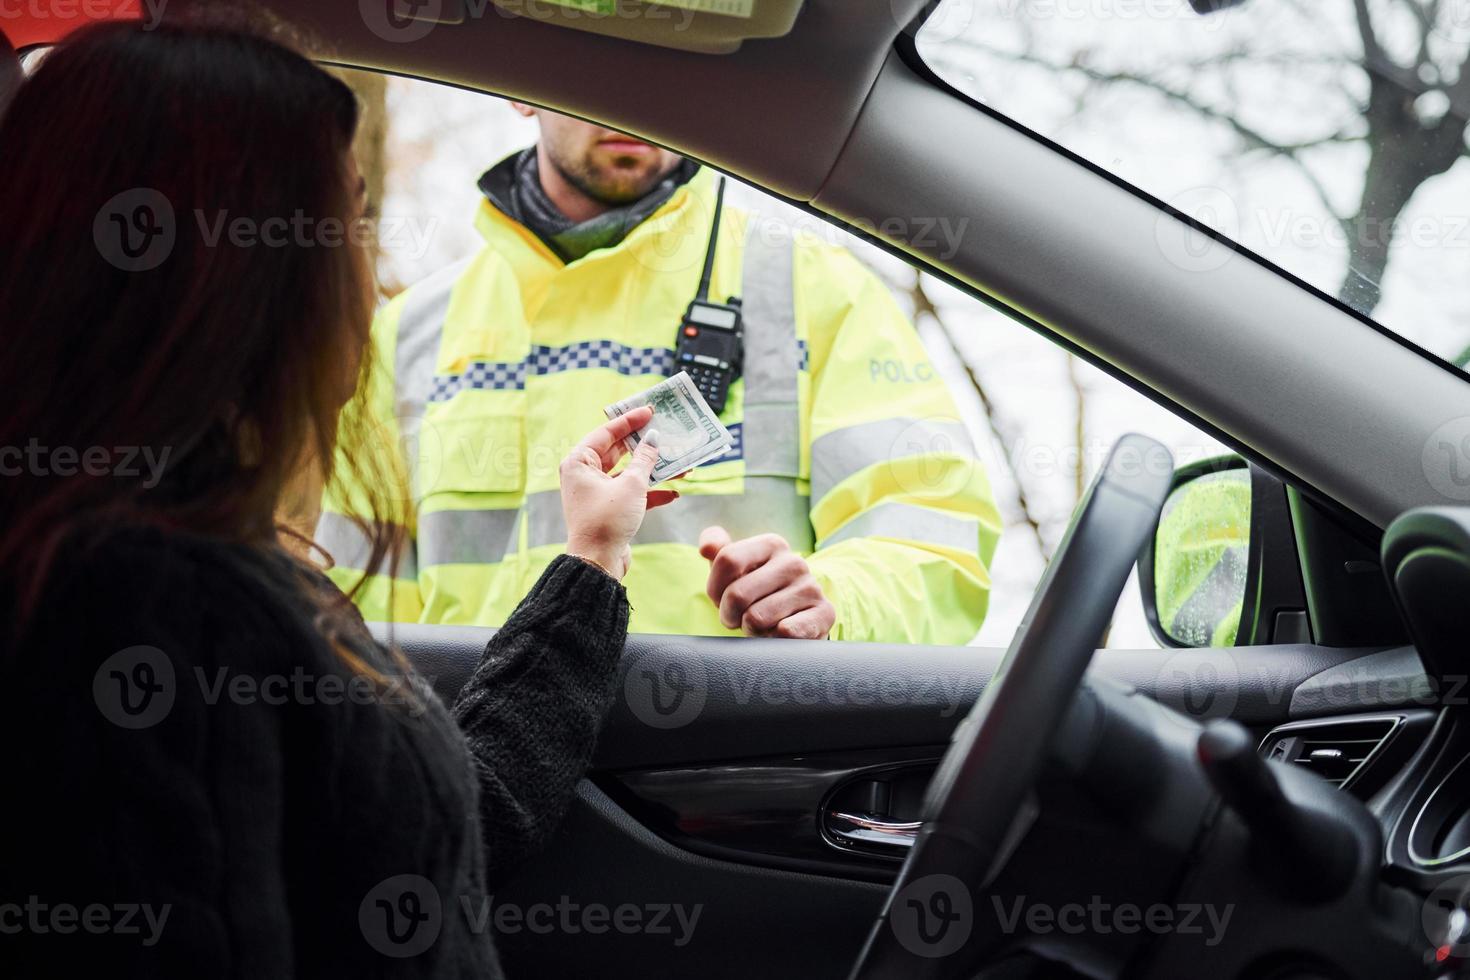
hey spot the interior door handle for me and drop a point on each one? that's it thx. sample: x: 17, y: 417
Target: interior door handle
x: 867, y: 830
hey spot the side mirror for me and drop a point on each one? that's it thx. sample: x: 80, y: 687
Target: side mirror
x: 1193, y: 575
x: 1240, y: 558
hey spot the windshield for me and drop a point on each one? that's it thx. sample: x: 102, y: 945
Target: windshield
x: 1327, y: 136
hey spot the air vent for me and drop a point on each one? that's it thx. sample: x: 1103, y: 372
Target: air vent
x: 1337, y: 751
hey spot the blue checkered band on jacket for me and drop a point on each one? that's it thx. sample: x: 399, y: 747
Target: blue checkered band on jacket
x: 628, y: 361
x: 479, y: 376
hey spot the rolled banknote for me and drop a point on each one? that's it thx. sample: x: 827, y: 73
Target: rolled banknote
x: 689, y: 433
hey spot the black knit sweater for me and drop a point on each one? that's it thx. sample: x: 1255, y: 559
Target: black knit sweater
x: 197, y: 785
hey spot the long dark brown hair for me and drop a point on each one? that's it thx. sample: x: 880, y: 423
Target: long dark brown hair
x: 180, y: 274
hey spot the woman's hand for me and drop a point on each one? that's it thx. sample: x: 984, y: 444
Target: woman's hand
x: 604, y: 512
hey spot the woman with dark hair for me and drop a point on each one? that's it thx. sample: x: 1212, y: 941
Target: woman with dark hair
x: 212, y: 769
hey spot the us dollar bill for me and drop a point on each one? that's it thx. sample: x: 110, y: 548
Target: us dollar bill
x: 689, y: 433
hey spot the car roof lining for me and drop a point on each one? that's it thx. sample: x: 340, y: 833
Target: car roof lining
x: 832, y: 57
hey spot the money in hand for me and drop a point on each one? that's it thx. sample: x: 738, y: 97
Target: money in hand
x: 689, y: 433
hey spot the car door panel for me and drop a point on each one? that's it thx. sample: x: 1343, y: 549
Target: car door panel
x: 722, y: 760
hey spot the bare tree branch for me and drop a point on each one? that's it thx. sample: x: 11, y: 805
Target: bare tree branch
x: 1079, y: 425
x: 924, y: 307
x: 1372, y: 51
x: 1251, y: 137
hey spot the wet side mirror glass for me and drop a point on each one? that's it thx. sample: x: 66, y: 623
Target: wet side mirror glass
x: 1193, y: 577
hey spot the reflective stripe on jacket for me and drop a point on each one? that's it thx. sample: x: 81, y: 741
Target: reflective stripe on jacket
x: 846, y: 441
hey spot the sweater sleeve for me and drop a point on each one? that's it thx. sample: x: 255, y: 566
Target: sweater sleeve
x: 533, y: 708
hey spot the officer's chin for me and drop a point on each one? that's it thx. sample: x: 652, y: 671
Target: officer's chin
x: 623, y: 180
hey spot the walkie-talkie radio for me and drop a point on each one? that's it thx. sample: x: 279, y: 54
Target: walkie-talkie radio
x: 711, y: 341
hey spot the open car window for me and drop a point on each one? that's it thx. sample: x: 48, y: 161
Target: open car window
x: 1041, y: 420
x: 1328, y: 138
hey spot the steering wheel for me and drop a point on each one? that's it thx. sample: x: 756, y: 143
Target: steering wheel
x: 979, y: 803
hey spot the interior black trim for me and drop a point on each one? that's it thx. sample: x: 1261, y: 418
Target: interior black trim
x: 770, y: 698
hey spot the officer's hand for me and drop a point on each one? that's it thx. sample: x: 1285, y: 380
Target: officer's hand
x: 764, y: 588
x: 604, y: 512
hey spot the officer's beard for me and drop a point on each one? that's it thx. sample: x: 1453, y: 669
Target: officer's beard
x: 625, y: 184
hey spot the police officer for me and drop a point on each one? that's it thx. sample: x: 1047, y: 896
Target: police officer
x: 851, y: 504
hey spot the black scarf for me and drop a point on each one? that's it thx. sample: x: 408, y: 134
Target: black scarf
x: 514, y: 186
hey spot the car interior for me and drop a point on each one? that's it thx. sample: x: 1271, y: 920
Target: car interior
x: 1307, y: 787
